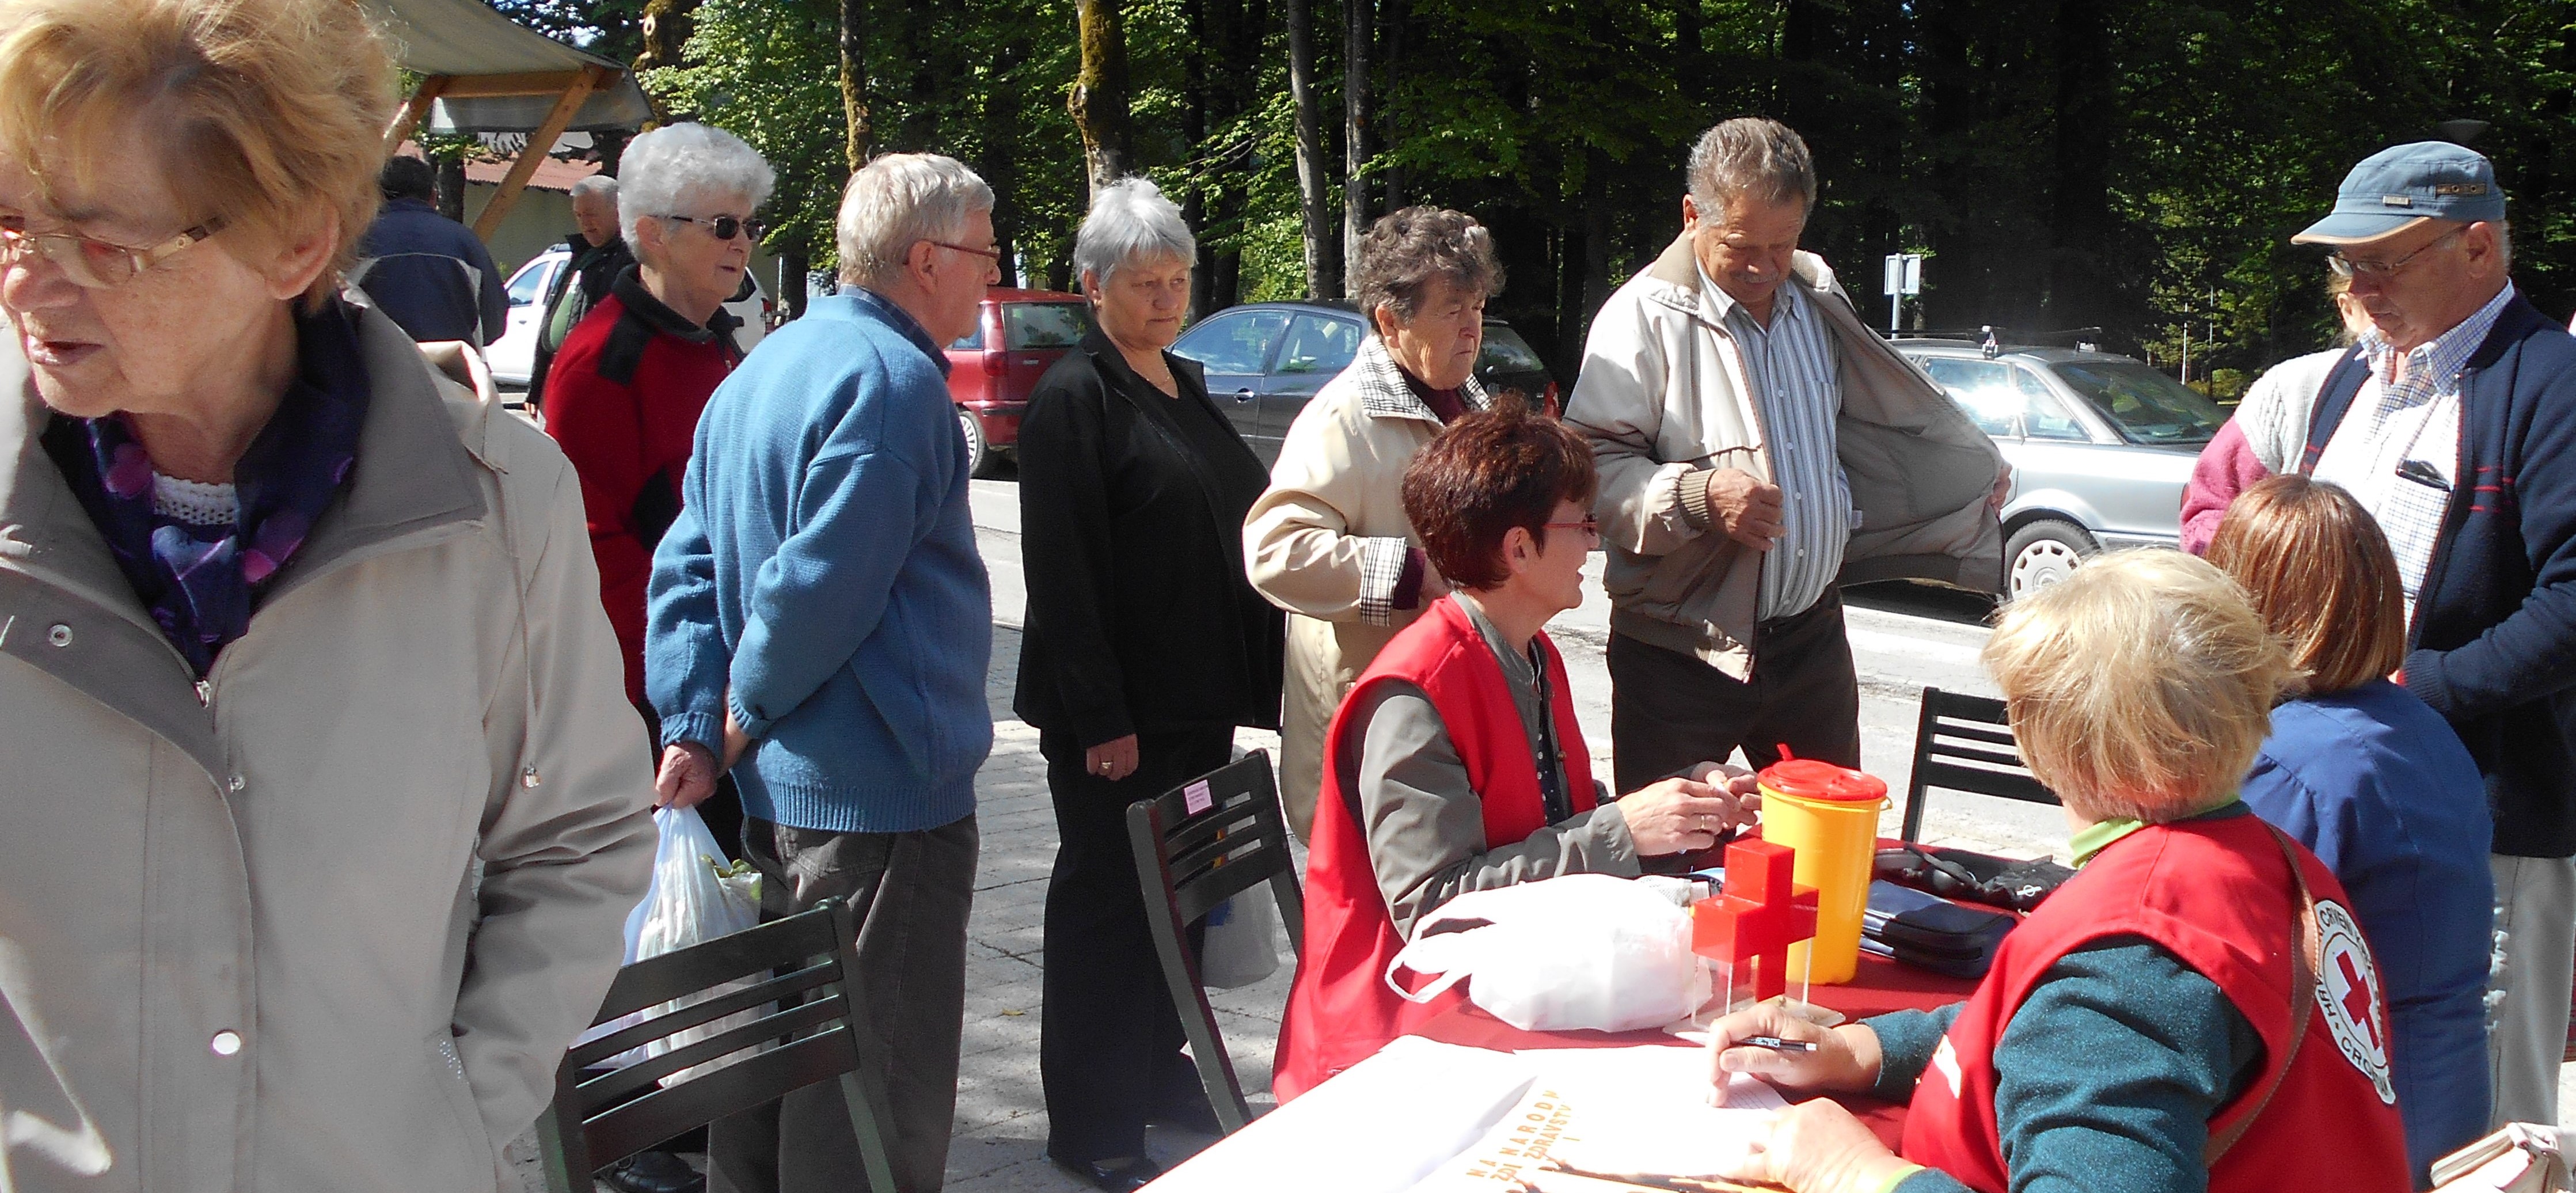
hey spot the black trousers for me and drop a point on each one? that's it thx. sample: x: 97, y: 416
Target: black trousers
x: 1109, y: 1050
x: 1669, y: 710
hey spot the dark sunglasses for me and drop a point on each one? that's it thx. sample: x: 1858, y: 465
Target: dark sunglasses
x: 723, y: 227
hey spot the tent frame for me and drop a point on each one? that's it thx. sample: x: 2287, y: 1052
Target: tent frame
x: 570, y: 87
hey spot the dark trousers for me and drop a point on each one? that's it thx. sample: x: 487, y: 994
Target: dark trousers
x: 911, y: 892
x: 1110, y: 1041
x: 1669, y: 710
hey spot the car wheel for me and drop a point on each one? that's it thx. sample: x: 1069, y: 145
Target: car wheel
x: 2042, y: 553
x: 979, y: 454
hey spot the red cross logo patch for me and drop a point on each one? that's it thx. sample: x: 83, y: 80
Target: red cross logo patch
x: 2348, y: 997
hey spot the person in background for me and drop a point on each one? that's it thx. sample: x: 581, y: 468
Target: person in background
x: 426, y: 272
x: 598, y: 253
x: 2262, y: 438
x: 1328, y: 542
x: 1456, y: 763
x: 2379, y: 786
x: 1723, y: 387
x: 2455, y: 426
x: 1145, y: 647
x: 2196, y: 1009
x: 322, y: 811
x: 819, y: 624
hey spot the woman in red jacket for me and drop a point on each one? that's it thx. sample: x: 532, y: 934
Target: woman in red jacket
x: 2197, y: 1009
x: 1455, y: 764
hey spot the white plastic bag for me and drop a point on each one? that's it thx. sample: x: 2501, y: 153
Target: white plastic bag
x: 696, y: 897
x: 1238, y: 951
x: 1572, y: 952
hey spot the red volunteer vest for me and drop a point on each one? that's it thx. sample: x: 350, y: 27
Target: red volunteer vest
x: 2219, y: 895
x: 1339, y: 1009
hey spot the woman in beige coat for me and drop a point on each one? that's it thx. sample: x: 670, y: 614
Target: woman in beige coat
x: 1329, y: 541
x: 323, y: 805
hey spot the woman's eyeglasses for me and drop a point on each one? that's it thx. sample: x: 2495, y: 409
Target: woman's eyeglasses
x: 723, y: 227
x: 89, y: 262
x: 1591, y: 527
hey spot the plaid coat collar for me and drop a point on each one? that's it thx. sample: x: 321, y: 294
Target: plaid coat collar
x: 1383, y: 393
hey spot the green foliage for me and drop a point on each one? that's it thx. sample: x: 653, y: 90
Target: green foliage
x: 768, y: 71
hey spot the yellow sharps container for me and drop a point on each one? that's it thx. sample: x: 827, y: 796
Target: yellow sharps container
x: 1829, y: 815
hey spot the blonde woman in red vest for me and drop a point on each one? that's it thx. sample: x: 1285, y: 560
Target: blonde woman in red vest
x: 2195, y: 1010
x: 1455, y: 764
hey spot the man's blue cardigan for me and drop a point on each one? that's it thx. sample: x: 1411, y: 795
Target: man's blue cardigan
x: 823, y: 572
x: 2493, y: 644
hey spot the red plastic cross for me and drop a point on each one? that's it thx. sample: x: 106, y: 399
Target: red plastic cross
x: 1758, y: 916
x: 2356, y: 1000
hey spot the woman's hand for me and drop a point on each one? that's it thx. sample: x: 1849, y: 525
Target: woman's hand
x: 1817, y: 1146
x: 1846, y: 1059
x: 1678, y: 815
x: 1111, y: 760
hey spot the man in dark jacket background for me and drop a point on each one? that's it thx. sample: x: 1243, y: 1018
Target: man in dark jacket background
x: 427, y: 272
x: 599, y: 254
x: 2454, y: 423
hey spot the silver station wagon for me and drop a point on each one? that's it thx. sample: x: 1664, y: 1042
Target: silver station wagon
x: 2100, y: 446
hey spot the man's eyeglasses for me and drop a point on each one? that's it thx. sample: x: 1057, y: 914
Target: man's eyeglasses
x: 723, y: 227
x: 2347, y: 267
x: 1591, y: 527
x: 993, y: 255
x: 89, y: 262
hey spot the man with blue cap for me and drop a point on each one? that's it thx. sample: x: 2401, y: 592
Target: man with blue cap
x: 2454, y: 422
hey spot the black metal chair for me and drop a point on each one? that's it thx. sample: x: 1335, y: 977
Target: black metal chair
x: 811, y: 1020
x: 1962, y: 743
x: 1188, y: 863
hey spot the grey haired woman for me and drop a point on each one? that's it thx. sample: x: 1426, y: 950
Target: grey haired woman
x: 1145, y: 648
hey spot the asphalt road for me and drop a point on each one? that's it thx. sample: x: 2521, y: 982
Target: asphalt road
x: 1905, y: 637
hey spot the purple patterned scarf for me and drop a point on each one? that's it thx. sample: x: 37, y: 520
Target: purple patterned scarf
x: 200, y: 582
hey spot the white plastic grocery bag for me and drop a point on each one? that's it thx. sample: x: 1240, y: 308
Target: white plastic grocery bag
x: 1566, y: 953
x: 696, y: 897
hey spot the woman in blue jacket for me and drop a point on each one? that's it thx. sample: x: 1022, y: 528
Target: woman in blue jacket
x: 2375, y: 782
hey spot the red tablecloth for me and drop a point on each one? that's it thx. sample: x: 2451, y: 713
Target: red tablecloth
x: 1879, y: 987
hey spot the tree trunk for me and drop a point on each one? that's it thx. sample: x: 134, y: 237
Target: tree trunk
x: 451, y: 187
x: 854, y: 80
x: 609, y: 146
x: 1099, y: 99
x: 1393, y: 17
x: 2079, y: 290
x: 794, y: 262
x: 665, y: 28
x: 1323, y: 270
x: 1359, y: 24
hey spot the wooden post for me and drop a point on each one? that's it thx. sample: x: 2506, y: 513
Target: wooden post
x: 540, y: 142
x: 415, y: 111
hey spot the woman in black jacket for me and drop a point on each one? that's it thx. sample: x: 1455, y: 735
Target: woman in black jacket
x: 1145, y: 647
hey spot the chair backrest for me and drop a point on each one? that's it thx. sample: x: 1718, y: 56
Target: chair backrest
x: 1962, y: 743
x: 798, y: 979
x: 1196, y: 846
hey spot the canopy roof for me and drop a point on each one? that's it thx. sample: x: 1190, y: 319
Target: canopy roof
x: 501, y: 76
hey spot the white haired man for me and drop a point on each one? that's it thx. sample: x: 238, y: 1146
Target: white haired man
x: 820, y: 624
x: 1759, y: 447
x: 599, y: 254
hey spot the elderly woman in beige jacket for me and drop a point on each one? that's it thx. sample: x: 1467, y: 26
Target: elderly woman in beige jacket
x: 1329, y: 541
x: 323, y: 806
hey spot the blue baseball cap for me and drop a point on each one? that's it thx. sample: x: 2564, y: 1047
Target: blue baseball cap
x: 2396, y: 188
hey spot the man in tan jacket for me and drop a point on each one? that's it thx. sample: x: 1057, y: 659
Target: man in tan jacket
x: 1759, y: 447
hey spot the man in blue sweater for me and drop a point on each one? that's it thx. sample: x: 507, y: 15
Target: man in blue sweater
x: 820, y: 624
x: 2454, y: 423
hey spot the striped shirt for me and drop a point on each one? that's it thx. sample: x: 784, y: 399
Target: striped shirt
x: 1790, y: 368
x: 2398, y: 448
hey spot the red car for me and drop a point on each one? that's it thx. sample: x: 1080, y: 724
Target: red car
x: 1018, y: 334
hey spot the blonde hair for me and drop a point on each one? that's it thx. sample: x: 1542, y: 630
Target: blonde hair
x: 2140, y: 686
x: 268, y: 115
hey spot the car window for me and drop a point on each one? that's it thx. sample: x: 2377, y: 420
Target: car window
x: 1505, y: 351
x: 1319, y: 344
x: 1982, y: 388
x: 1238, y: 342
x: 529, y: 284
x: 2043, y: 416
x: 2147, y: 406
x: 1041, y: 325
x: 972, y: 341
